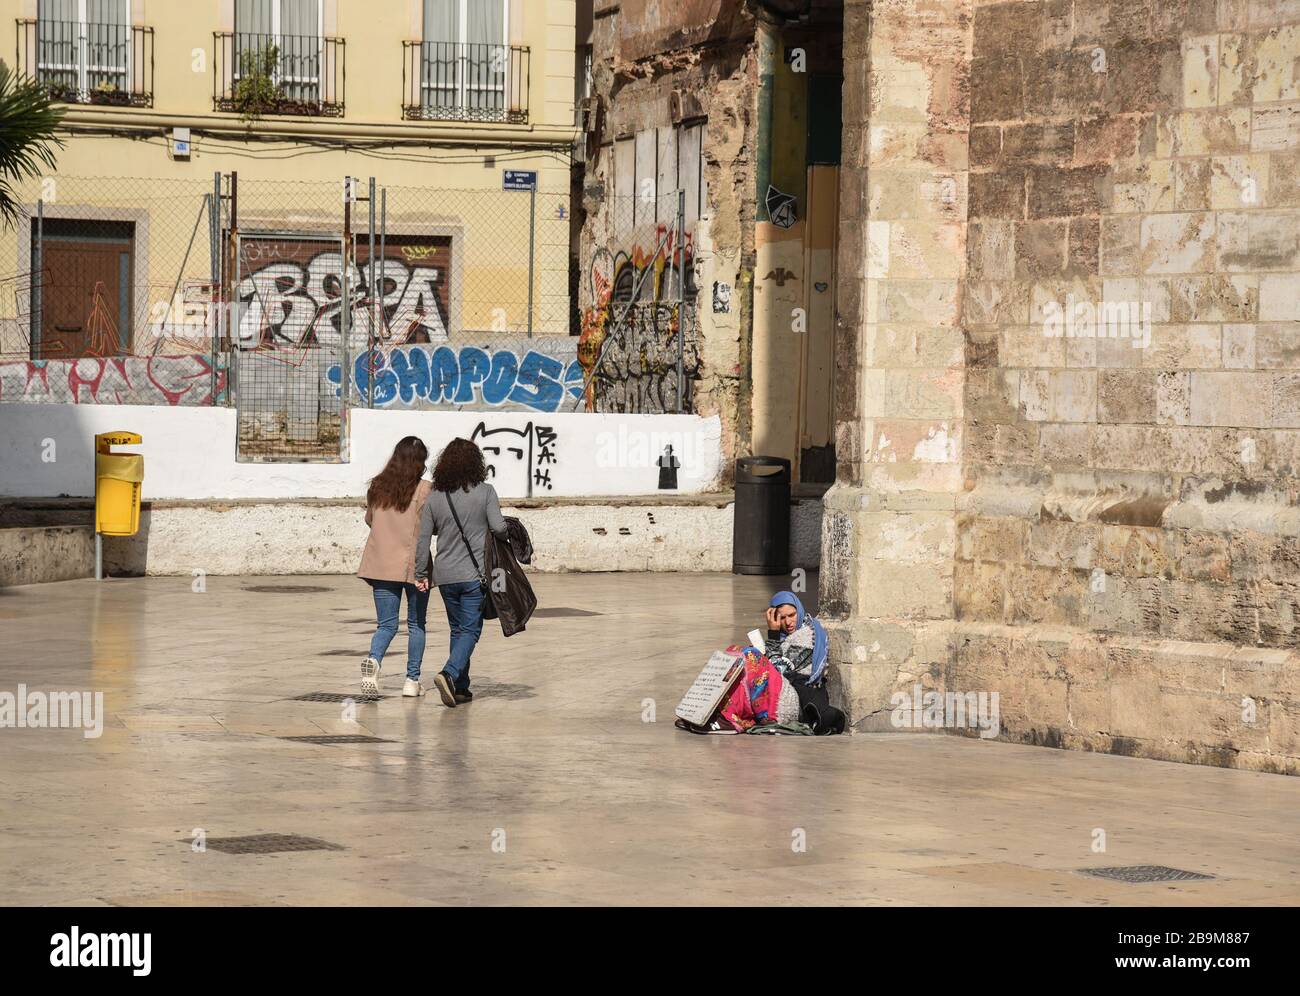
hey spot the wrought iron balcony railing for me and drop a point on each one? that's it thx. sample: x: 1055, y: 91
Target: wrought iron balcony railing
x: 258, y: 74
x: 85, y: 62
x: 455, y: 81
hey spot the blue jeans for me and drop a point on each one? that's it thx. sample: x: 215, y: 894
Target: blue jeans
x: 464, y: 602
x: 388, y: 603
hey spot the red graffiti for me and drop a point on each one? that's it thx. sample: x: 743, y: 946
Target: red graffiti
x: 122, y: 380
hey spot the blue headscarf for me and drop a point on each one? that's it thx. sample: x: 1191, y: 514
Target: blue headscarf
x: 820, y: 643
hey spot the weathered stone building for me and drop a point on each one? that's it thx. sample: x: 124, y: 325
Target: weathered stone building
x: 736, y: 103
x: 1065, y: 267
x: 1068, y: 382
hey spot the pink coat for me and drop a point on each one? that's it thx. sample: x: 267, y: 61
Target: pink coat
x: 390, y: 550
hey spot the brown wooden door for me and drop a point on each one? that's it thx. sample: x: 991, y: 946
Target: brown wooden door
x: 85, y: 298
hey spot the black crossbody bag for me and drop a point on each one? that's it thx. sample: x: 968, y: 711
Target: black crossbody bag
x: 482, y: 578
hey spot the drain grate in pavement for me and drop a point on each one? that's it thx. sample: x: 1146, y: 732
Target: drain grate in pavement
x: 342, y: 738
x: 285, y: 589
x: 266, y: 843
x: 561, y: 610
x: 348, y: 652
x: 1145, y: 873
x: 339, y: 697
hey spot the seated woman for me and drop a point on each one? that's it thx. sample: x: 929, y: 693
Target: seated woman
x: 783, y: 681
x: 797, y: 646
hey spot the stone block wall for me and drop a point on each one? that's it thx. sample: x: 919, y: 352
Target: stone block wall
x: 1120, y: 558
x: 1133, y: 290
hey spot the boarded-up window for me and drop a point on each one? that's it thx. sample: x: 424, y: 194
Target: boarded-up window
x: 649, y: 169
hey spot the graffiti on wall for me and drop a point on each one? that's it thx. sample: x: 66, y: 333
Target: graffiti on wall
x: 114, y: 380
x: 472, y: 377
x: 291, y: 294
x: 629, y: 342
x: 519, y: 460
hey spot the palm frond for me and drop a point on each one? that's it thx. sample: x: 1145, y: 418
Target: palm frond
x: 28, y: 121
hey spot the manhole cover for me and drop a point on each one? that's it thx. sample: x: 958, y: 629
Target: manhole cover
x: 501, y: 689
x: 561, y: 610
x: 1145, y: 873
x: 336, y: 697
x: 265, y: 843
x: 346, y: 738
x: 286, y: 589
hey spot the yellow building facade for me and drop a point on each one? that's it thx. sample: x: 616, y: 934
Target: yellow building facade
x: 201, y: 208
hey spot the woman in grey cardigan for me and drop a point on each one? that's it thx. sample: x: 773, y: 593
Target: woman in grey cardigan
x: 460, y: 492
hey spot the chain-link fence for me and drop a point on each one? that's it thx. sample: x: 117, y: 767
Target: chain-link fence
x: 290, y: 300
x: 106, y: 294
x: 639, y: 347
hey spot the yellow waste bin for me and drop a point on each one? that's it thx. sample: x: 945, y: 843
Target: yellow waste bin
x: 117, y: 484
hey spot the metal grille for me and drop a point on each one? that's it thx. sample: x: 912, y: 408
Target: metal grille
x: 1145, y: 873
x: 464, y: 81
x: 88, y: 61
x: 639, y: 346
x: 336, y: 697
x: 560, y: 611
x: 346, y: 738
x: 266, y: 843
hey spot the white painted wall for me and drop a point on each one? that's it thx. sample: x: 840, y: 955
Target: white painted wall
x: 190, y: 452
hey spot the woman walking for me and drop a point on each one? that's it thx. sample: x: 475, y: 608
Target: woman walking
x: 388, y: 564
x: 460, y: 511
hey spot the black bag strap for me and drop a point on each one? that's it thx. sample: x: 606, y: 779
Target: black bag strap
x: 464, y: 539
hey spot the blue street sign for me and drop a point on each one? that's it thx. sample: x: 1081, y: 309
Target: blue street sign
x: 519, y: 179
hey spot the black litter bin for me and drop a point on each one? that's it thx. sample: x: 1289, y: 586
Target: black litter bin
x: 760, y: 535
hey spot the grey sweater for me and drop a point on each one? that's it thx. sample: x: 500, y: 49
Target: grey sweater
x: 479, y: 511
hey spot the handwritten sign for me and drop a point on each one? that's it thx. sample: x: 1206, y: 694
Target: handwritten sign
x: 711, y: 686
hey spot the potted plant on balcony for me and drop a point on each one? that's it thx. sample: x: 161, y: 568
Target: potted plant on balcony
x: 257, y: 89
x: 108, y: 92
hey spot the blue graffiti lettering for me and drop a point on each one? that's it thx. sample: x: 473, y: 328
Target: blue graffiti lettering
x: 412, y: 370
x: 441, y: 376
x: 474, y: 368
x: 444, y: 375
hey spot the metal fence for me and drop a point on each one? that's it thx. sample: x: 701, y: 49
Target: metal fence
x: 105, y: 293
x: 639, y: 346
x: 288, y: 300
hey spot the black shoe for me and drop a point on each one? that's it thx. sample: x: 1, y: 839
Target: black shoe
x: 443, y: 684
x: 463, y: 697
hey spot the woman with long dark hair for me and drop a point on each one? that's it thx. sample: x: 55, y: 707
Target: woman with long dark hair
x: 460, y: 511
x: 388, y: 565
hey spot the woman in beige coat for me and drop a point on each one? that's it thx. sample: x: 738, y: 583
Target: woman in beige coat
x: 393, y: 504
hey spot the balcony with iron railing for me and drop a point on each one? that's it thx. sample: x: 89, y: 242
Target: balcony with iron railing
x: 459, y: 81
x: 84, y: 62
x: 257, y: 74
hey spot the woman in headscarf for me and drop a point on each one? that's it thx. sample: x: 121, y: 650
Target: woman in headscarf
x: 797, y: 646
x: 796, y: 642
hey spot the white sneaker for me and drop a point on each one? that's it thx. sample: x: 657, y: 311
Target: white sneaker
x: 412, y: 689
x: 370, y: 676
